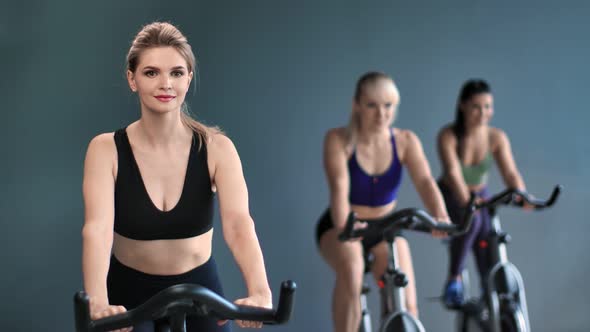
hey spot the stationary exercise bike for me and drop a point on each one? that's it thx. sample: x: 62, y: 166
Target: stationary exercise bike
x: 177, y: 302
x: 502, y: 306
x: 394, y: 316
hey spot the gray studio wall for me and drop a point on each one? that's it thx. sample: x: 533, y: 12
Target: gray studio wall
x: 275, y: 76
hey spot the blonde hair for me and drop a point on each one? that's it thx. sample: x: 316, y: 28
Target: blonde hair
x: 161, y: 34
x: 361, y: 85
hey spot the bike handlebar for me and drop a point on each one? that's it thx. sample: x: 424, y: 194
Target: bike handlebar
x: 509, y: 197
x: 411, y: 219
x: 188, y: 299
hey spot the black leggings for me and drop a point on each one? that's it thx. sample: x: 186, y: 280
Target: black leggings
x: 129, y: 287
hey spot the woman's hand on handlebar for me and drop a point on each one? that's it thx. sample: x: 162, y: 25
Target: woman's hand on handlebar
x: 98, y: 311
x: 259, y: 301
x: 356, y: 226
x: 441, y: 234
x: 477, y: 200
x: 525, y: 205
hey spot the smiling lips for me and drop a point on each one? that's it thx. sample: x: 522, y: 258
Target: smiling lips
x: 165, y: 98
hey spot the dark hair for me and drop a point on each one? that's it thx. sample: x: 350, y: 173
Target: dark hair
x: 368, y: 78
x: 470, y: 88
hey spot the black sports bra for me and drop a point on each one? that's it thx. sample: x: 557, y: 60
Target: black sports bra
x: 136, y: 216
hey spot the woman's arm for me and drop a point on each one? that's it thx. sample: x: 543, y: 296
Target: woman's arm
x: 238, y: 226
x: 415, y: 161
x: 335, y: 167
x: 505, y: 161
x: 97, y: 233
x: 447, y: 150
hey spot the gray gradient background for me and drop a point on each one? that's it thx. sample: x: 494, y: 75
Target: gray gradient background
x: 275, y: 75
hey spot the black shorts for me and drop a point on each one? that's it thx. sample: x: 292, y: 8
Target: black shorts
x: 129, y: 287
x: 325, y: 223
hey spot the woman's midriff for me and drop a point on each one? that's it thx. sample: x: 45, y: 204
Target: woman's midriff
x: 163, y: 257
x: 472, y: 188
x: 370, y: 212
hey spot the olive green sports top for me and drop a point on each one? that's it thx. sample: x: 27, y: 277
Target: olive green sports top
x: 478, y: 173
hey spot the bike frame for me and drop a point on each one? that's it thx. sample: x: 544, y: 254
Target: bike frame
x: 393, y: 299
x: 393, y: 308
x: 499, y: 262
x: 504, y: 285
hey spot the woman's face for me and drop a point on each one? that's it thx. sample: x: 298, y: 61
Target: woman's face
x: 161, y: 79
x: 478, y: 110
x: 377, y: 105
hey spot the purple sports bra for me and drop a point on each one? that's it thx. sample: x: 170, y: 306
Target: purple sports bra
x: 374, y: 190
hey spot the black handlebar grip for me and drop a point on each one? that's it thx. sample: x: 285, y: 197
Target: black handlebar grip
x: 537, y: 203
x: 286, y: 301
x: 85, y: 324
x: 82, y: 311
x: 509, y: 197
x: 281, y: 315
x: 421, y: 228
x: 449, y: 228
x: 553, y: 198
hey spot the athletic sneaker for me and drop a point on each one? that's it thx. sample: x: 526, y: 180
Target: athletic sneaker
x: 453, y: 296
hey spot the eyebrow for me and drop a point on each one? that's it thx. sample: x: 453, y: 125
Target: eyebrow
x: 156, y: 68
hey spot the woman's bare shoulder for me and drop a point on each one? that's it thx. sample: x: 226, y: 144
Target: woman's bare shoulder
x: 339, y: 134
x: 338, y: 140
x: 405, y: 137
x: 497, y: 134
x: 219, y: 145
x: 447, y: 133
x: 102, y: 144
x: 498, y: 139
